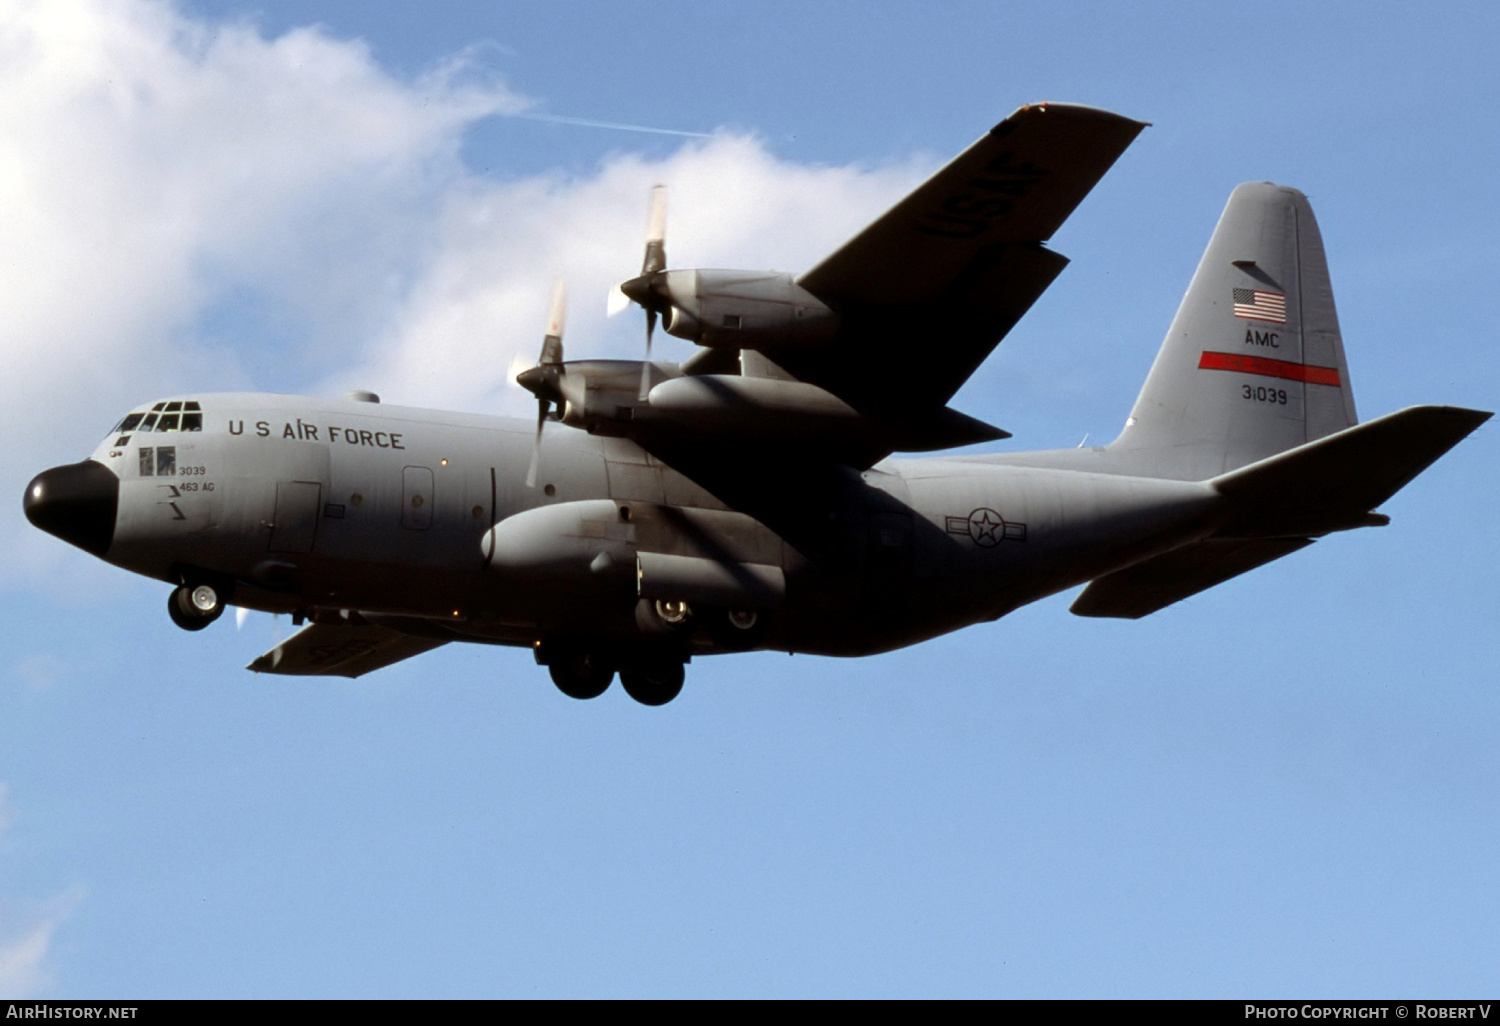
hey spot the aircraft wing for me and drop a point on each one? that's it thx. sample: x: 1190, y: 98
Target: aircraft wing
x: 927, y: 291
x: 341, y: 650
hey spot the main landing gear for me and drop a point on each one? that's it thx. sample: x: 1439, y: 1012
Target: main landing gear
x: 194, y: 606
x: 581, y: 674
x: 649, y: 678
x: 653, y: 681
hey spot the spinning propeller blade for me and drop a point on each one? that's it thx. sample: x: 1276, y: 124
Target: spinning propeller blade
x: 542, y: 380
x: 642, y: 289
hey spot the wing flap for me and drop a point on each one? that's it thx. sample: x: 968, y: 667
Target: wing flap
x: 341, y: 650
x: 1171, y: 577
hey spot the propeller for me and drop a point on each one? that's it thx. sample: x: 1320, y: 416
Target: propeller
x: 544, y: 380
x: 643, y: 289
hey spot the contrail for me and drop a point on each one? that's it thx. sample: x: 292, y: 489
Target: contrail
x: 558, y: 119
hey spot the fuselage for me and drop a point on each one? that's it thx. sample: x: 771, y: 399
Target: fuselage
x: 303, y: 505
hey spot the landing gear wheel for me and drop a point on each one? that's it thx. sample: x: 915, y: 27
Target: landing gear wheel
x: 194, y: 607
x: 653, y: 683
x: 581, y: 675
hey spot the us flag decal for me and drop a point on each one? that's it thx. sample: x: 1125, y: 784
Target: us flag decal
x: 1259, y: 305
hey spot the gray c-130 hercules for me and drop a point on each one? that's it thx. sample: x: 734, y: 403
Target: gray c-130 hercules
x: 744, y: 498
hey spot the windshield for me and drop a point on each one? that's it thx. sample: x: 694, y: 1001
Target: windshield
x: 178, y: 415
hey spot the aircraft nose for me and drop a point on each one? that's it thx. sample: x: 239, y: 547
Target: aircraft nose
x: 77, y: 502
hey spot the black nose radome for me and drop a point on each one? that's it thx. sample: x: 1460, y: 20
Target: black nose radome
x: 77, y: 503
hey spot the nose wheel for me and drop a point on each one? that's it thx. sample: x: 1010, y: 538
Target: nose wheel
x: 194, y: 606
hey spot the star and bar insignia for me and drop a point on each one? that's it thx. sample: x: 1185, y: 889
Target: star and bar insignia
x: 986, y: 528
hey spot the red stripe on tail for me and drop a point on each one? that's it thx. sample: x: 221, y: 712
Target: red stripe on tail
x: 1269, y: 368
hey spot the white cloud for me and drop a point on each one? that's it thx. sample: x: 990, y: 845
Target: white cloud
x: 482, y: 298
x: 26, y: 933
x: 39, y: 672
x: 26, y: 946
x: 181, y: 198
x: 153, y: 166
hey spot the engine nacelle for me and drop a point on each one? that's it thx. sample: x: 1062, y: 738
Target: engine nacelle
x: 592, y: 391
x: 757, y: 408
x: 744, y: 310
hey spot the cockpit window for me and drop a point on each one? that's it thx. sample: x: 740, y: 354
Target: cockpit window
x: 164, y: 416
x: 158, y: 461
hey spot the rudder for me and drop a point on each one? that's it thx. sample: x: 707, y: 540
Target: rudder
x: 1254, y: 363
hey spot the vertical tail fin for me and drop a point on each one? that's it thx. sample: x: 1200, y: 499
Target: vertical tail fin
x: 1254, y: 363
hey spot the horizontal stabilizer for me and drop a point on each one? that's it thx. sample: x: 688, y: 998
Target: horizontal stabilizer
x: 1157, y: 583
x: 341, y: 650
x: 1331, y: 484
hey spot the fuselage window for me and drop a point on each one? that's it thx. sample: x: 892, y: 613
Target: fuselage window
x: 192, y: 421
x: 166, y: 460
x: 191, y: 406
x: 122, y: 441
x: 148, y: 462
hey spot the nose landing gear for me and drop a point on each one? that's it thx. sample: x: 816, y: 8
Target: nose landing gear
x: 194, y: 606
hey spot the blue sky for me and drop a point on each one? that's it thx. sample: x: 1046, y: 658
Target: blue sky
x: 1285, y: 786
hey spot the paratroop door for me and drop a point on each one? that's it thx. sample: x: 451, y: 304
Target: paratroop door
x: 295, y: 522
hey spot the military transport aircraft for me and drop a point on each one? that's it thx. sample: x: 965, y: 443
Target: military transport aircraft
x: 743, y: 498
